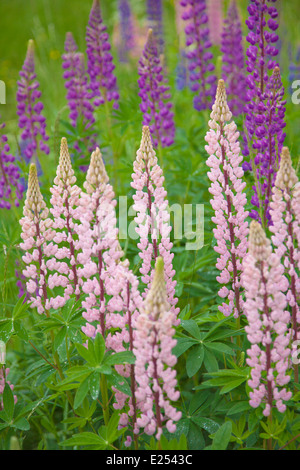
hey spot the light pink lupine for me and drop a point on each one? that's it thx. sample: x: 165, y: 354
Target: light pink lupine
x: 215, y: 20
x: 265, y: 308
x: 100, y: 254
x: 154, y: 366
x: 36, y: 233
x: 229, y: 200
x: 285, y: 226
x: 62, y: 263
x: 153, y: 218
x: 113, y: 300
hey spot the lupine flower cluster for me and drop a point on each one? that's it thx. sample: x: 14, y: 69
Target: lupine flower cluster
x: 155, y: 22
x: 127, y: 39
x: 285, y: 227
x: 267, y: 331
x: 36, y: 232
x: 265, y: 106
x: 229, y: 200
x: 11, y: 188
x: 199, y: 53
x: 154, y: 359
x: 78, y: 93
x: 153, y: 219
x: 30, y: 109
x: 75, y: 253
x: 63, y: 266
x: 268, y: 143
x: 100, y: 65
x: 233, y: 72
x: 154, y: 92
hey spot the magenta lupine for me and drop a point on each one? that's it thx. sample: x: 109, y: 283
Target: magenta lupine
x: 215, y: 20
x: 156, y: 103
x: 36, y: 233
x: 62, y: 252
x: 11, y: 189
x: 103, y: 82
x: 267, y: 330
x: 199, y: 53
x: 154, y: 366
x: 233, y: 70
x: 153, y: 218
x: 78, y: 95
x: 229, y: 200
x: 29, y: 110
x: 265, y: 105
x: 285, y: 225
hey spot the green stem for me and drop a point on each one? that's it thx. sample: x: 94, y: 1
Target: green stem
x: 104, y: 394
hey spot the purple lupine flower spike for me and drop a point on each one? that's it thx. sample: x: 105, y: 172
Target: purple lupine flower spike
x: 30, y: 109
x: 155, y: 22
x: 126, y: 29
x: 156, y: 105
x: 200, y: 56
x: 11, y: 189
x: 265, y: 106
x: 233, y: 71
x: 267, y: 143
x: 78, y: 94
x: 100, y: 65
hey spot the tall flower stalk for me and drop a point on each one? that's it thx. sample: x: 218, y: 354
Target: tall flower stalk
x: 153, y: 218
x: 233, y: 70
x: 127, y: 39
x: 11, y: 189
x: 98, y: 235
x: 229, y: 200
x: 265, y: 104
x: 29, y: 110
x: 155, y: 22
x: 100, y: 64
x: 199, y: 53
x: 267, y: 331
x: 156, y: 103
x: 154, y: 367
x: 285, y: 226
x: 78, y: 95
x: 62, y: 252
x: 36, y: 233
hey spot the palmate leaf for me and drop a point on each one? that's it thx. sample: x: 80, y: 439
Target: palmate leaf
x: 222, y: 437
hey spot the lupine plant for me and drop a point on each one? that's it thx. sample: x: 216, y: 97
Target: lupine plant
x: 199, y: 53
x: 233, y: 71
x: 117, y: 331
x: 156, y: 104
x: 29, y: 109
x: 265, y: 106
